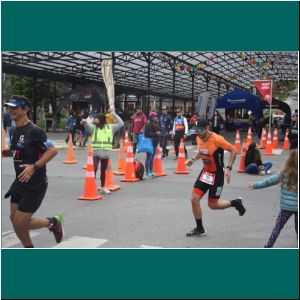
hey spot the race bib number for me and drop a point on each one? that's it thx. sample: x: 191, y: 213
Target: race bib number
x: 208, y: 178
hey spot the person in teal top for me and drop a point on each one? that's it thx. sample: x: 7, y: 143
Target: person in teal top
x: 288, y: 179
x: 102, y: 142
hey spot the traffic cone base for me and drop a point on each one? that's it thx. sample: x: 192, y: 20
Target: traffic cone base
x: 70, y: 162
x: 119, y: 173
x: 98, y: 197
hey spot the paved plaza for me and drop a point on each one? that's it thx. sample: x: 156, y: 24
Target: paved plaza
x: 153, y: 213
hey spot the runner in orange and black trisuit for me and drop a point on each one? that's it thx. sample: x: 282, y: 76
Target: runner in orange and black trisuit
x: 211, y: 150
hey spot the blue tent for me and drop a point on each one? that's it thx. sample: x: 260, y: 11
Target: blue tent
x: 241, y: 99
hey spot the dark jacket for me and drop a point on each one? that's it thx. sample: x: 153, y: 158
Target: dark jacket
x: 253, y: 156
x: 165, y: 123
x: 293, y: 136
x: 151, y: 132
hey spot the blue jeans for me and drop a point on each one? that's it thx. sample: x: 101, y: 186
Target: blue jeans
x: 254, y: 169
x: 149, y: 161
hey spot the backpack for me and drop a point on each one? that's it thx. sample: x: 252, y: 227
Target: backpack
x: 139, y: 169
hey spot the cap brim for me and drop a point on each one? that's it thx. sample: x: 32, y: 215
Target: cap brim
x: 10, y: 104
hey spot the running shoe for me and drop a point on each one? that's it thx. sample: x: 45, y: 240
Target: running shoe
x: 56, y: 226
x: 105, y: 191
x: 240, y: 207
x: 196, y: 232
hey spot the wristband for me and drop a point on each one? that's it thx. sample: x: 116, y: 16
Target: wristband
x: 36, y: 166
x: 229, y: 168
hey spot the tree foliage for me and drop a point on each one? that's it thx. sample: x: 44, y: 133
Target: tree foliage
x: 47, y: 91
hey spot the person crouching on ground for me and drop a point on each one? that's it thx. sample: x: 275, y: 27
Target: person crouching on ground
x: 288, y: 179
x: 102, y: 142
x: 253, y: 161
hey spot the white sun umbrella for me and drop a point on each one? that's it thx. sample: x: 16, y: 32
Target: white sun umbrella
x: 107, y: 73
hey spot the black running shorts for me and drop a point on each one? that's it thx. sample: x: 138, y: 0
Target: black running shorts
x: 200, y: 187
x: 30, y: 197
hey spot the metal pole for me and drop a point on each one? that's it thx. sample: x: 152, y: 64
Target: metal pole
x: 34, y: 98
x: 270, y: 117
x: 219, y: 86
x: 148, y: 86
x: 173, y: 105
x: 193, y: 91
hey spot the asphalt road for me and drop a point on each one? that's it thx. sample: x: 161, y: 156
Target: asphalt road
x: 151, y: 213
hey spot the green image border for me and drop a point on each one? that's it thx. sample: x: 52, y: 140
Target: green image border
x: 152, y: 26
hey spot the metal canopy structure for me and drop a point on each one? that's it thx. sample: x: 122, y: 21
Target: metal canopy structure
x: 175, y: 75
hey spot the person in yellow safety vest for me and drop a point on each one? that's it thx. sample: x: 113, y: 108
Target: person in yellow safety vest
x: 102, y: 142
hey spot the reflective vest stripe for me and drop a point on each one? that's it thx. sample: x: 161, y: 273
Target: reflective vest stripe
x: 102, y: 139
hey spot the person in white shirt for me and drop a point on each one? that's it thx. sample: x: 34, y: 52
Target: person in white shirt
x: 180, y: 130
x: 87, y: 134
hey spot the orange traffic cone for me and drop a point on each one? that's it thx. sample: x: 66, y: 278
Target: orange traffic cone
x: 249, y: 136
x: 90, y: 191
x: 129, y: 167
x: 237, y: 143
x: 121, y: 163
x: 275, y: 139
x: 286, y: 143
x: 70, y: 154
x: 181, y: 166
x: 269, y: 150
x: 109, y: 178
x: 263, y: 140
x: 3, y: 146
x: 126, y: 142
x: 242, y: 168
x: 157, y: 164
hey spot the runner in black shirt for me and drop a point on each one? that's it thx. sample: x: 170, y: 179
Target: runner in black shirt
x: 31, y: 151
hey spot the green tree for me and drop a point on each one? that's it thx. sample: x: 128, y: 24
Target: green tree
x: 46, y: 90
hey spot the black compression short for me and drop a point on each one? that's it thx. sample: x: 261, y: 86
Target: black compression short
x: 28, y: 197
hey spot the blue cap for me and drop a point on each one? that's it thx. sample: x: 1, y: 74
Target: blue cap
x: 17, y: 103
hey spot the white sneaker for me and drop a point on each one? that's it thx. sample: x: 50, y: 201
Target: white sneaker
x: 268, y: 172
x: 105, y: 191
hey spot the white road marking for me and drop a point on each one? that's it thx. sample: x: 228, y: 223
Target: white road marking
x: 81, y: 242
x: 9, y: 238
x: 277, y: 151
x: 150, y: 247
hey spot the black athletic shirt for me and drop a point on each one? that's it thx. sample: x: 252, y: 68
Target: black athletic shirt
x: 29, y: 143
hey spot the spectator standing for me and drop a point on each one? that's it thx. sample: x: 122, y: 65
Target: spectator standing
x: 138, y: 122
x: 152, y: 131
x: 71, y: 126
x: 180, y: 130
x: 165, y: 124
x: 288, y: 179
